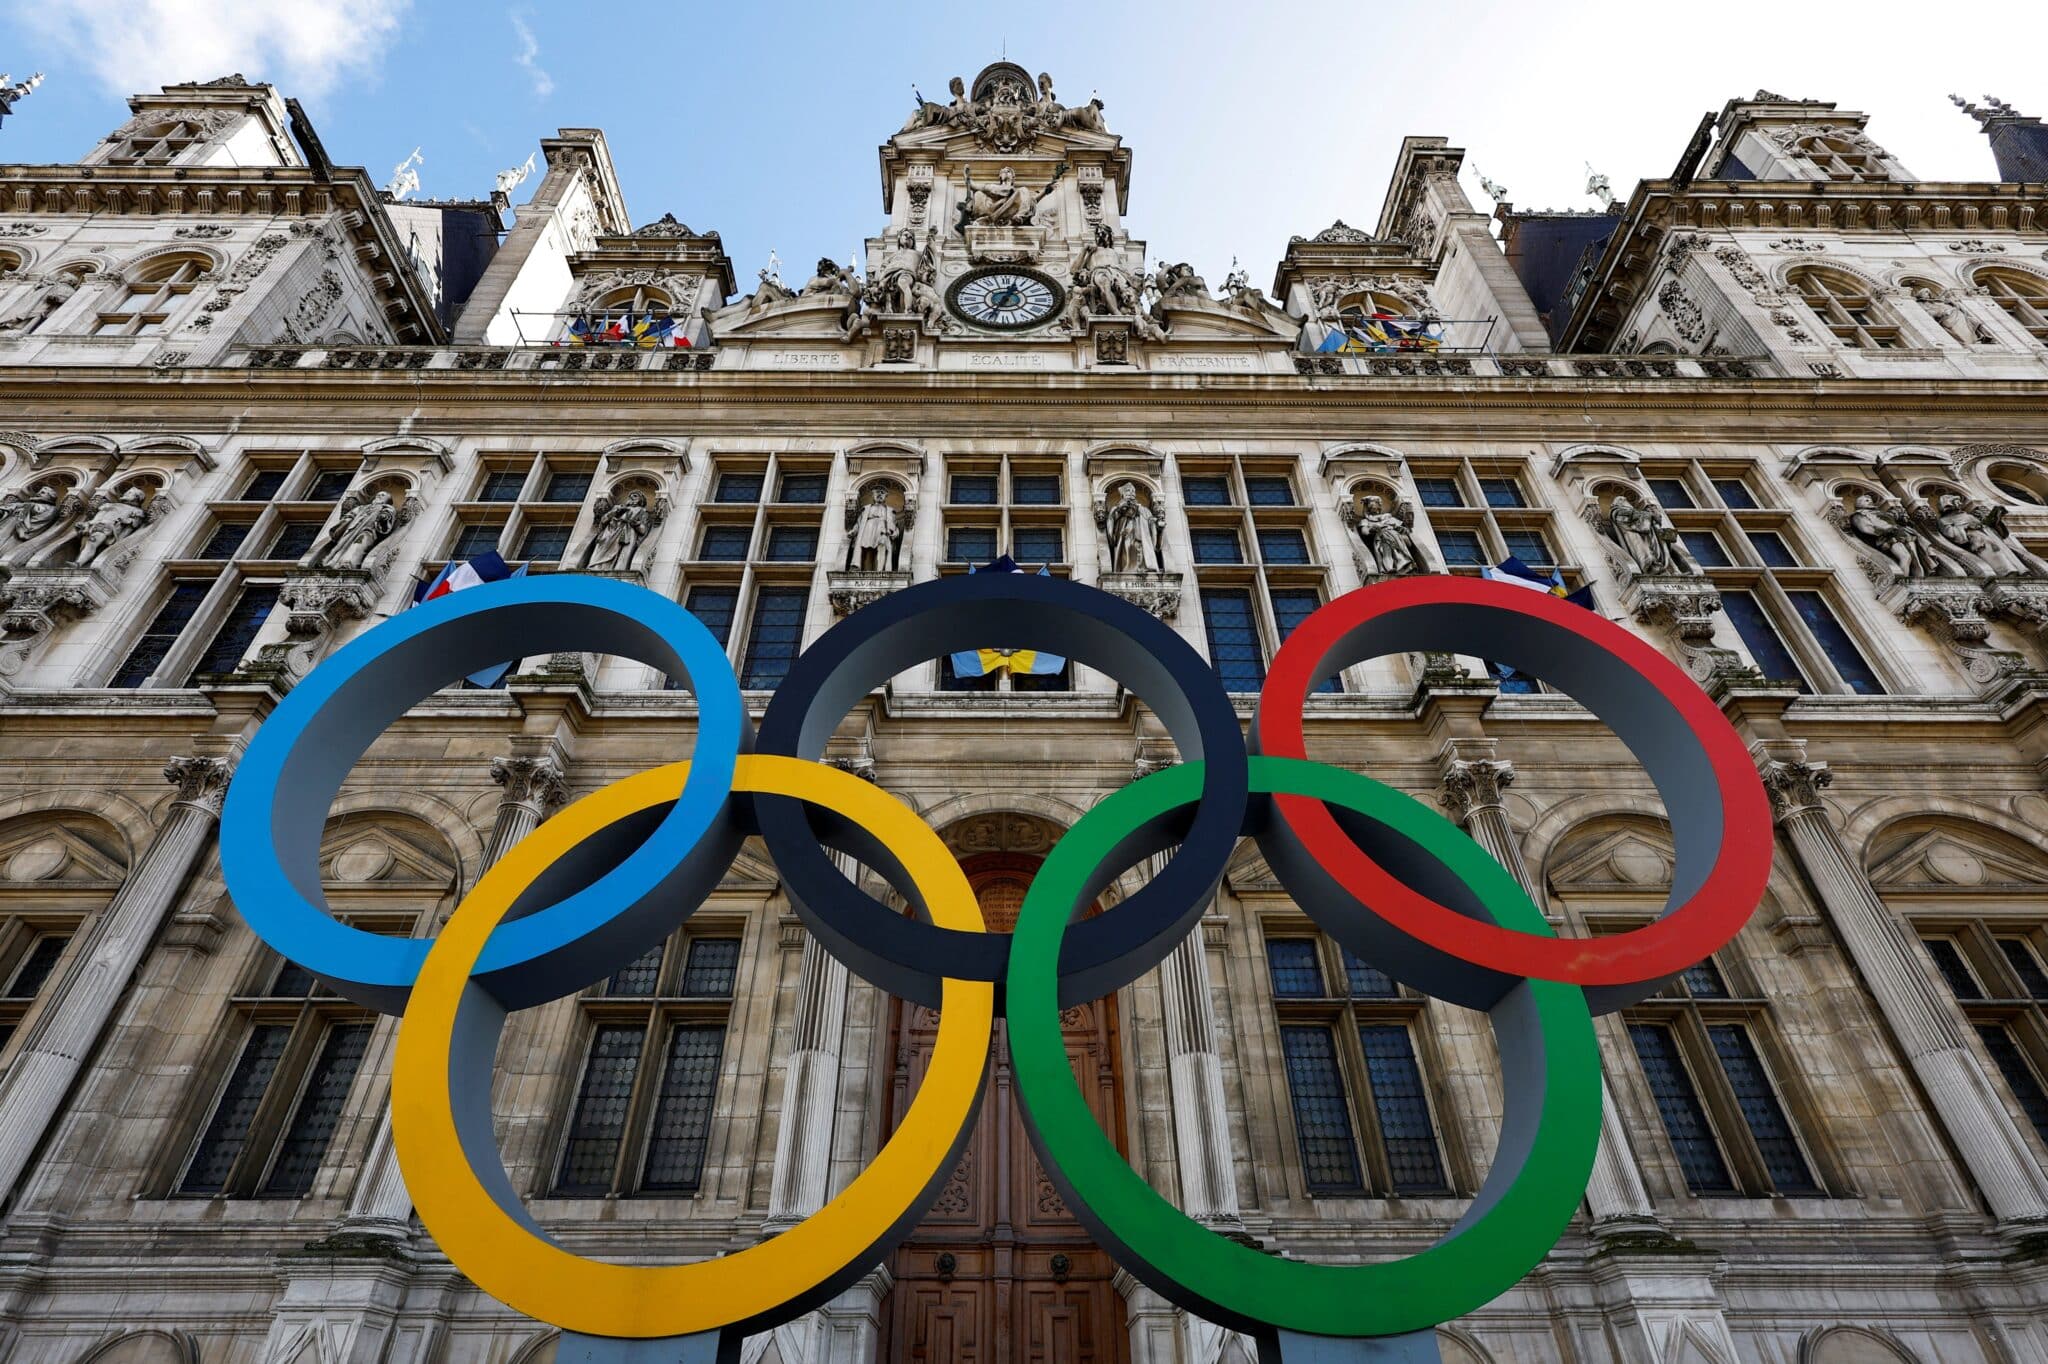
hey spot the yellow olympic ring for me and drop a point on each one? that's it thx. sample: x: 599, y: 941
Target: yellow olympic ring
x: 485, y: 1230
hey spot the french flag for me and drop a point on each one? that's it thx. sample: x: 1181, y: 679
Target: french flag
x: 488, y: 567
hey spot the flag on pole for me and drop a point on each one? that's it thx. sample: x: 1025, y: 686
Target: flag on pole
x: 1018, y: 662
x: 488, y: 567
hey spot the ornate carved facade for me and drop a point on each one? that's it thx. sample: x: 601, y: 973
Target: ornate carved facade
x: 1783, y: 413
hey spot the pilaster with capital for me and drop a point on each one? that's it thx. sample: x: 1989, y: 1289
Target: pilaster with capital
x: 83, y: 1002
x: 1929, y: 1028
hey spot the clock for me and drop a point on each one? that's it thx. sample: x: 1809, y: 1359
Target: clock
x: 1006, y: 297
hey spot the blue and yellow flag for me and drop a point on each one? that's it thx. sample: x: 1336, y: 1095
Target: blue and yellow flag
x: 1018, y: 662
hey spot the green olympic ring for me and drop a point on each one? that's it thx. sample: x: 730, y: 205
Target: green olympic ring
x: 1550, y: 1064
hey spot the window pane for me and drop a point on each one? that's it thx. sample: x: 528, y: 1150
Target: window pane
x: 1283, y: 547
x: 1761, y: 638
x: 1671, y: 492
x: 711, y: 967
x: 1783, y: 1160
x: 1038, y: 545
x: 1772, y: 549
x: 1234, y: 648
x: 726, y: 543
x: 227, y: 537
x: 1296, y: 972
x: 971, y: 544
x: 1705, y: 548
x: 598, y: 1124
x: 802, y: 488
x: 298, y: 536
x: 237, y: 632
x: 2026, y: 966
x: 1397, y: 1098
x: 1439, y: 492
x: 1269, y: 490
x: 264, y: 486
x: 1366, y: 980
x: 1735, y: 493
x: 1292, y: 606
x: 545, y: 543
x: 739, y: 488
x: 319, y: 1111
x: 792, y: 544
x: 1329, y: 1155
x: 682, y: 1117
x: 502, y: 485
x: 1217, y: 547
x: 1035, y: 490
x: 1835, y: 643
x: 475, y: 540
x: 1948, y: 959
x: 772, y: 639
x: 639, y: 976
x: 1530, y: 547
x: 1678, y: 1104
x: 292, y: 981
x: 228, y: 1130
x: 973, y: 490
x: 1206, y: 490
x: 1461, y: 547
x: 1502, y: 492
x: 1703, y: 981
x: 714, y: 606
x: 328, y: 485
x: 36, y: 965
x: 170, y: 620
x: 566, y: 487
x: 2019, y: 1075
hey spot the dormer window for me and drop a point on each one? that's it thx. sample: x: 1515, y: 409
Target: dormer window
x: 642, y: 317
x: 1845, y: 307
x: 158, y: 144
x: 152, y: 295
x: 1839, y: 159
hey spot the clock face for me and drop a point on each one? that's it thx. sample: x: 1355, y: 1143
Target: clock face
x: 1006, y: 297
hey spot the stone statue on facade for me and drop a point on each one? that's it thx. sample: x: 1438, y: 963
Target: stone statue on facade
x: 832, y: 278
x: 619, y: 530
x: 1642, y: 533
x: 1101, y: 284
x: 1977, y: 532
x: 362, y: 523
x: 110, y: 520
x: 1387, y: 544
x: 1005, y: 203
x: 1886, y: 528
x: 1133, y: 529
x: 1179, y: 281
x: 1245, y: 296
x: 40, y: 308
x: 770, y: 292
x: 33, y: 515
x: 894, y: 287
x: 1053, y: 115
x: 1957, y: 323
x: 875, y: 539
x: 930, y: 115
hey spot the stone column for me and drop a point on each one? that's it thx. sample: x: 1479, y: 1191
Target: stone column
x: 1926, y: 1023
x: 810, y: 1088
x: 1201, y: 1131
x: 1474, y: 781
x: 84, y: 1001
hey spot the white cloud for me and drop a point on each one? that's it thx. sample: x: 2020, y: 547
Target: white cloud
x: 305, y: 47
x: 528, y: 58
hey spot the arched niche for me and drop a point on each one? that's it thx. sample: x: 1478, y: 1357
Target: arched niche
x: 1853, y: 1345
x: 151, y: 1346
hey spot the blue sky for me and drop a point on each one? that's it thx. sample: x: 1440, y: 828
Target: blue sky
x: 1246, y: 123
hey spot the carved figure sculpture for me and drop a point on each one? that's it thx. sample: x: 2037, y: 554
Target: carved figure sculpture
x: 1887, y: 530
x: 930, y: 115
x: 620, y: 530
x: 876, y: 535
x: 1978, y: 530
x: 1179, y: 281
x: 1954, y: 320
x: 894, y: 287
x: 110, y: 521
x: 832, y: 278
x: 1004, y: 203
x: 1133, y: 531
x: 36, y: 513
x: 1647, y: 538
x: 1388, y: 540
x: 771, y: 291
x: 929, y: 306
x: 40, y: 309
x: 361, y: 524
x: 1101, y: 284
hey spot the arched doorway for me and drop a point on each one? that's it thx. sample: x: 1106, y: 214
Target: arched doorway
x: 1000, y: 1272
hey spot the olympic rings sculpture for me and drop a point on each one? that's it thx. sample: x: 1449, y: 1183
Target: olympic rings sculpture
x: 617, y: 871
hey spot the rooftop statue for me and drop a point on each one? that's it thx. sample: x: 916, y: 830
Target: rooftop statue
x: 1005, y: 202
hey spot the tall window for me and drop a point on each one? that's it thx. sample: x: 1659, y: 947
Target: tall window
x: 29, y: 954
x: 756, y: 554
x: 2024, y: 298
x: 1845, y: 307
x: 1362, y: 1114
x: 1998, y: 972
x: 274, y: 1115
x: 160, y: 634
x: 152, y: 296
x: 237, y: 632
x: 1714, y: 1093
x: 641, y: 1120
x: 1257, y: 568
x: 1788, y: 611
x: 773, y: 636
x: 1005, y: 505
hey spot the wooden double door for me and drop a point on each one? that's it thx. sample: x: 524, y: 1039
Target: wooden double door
x: 1000, y: 1272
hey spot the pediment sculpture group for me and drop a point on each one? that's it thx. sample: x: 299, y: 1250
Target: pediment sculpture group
x: 1955, y: 538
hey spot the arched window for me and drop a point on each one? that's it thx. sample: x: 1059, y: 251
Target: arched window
x: 2024, y: 298
x: 2028, y: 487
x: 1838, y: 159
x: 639, y: 316
x: 10, y: 261
x: 1845, y: 307
x: 151, y: 296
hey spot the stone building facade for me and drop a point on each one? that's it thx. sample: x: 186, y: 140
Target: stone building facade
x: 1786, y: 412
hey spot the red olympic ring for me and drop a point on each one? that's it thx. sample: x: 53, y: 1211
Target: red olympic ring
x: 1656, y: 710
